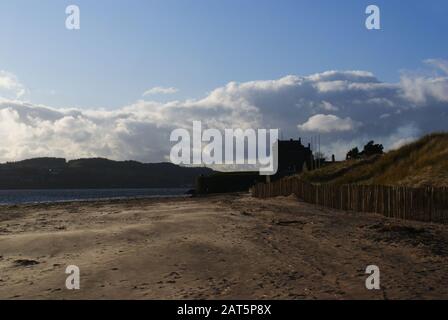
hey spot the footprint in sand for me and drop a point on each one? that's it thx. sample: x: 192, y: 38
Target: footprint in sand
x: 25, y: 263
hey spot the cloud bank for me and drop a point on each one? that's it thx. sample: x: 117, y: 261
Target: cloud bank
x: 346, y: 108
x: 160, y: 90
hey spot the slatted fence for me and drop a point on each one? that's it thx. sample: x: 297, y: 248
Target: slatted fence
x: 422, y: 204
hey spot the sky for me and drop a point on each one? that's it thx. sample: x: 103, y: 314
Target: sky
x: 138, y: 68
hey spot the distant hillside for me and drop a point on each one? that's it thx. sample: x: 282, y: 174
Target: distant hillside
x: 422, y: 163
x: 50, y: 173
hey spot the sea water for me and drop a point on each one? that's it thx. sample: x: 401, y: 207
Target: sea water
x: 64, y: 195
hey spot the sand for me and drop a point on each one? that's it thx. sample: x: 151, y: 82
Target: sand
x: 220, y: 247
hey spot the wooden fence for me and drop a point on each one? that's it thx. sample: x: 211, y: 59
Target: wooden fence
x: 422, y: 204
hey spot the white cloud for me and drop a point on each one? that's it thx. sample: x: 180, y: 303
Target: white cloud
x: 421, y: 90
x: 333, y: 103
x: 160, y: 90
x: 328, y: 123
x: 328, y: 106
x: 438, y: 63
x: 10, y: 86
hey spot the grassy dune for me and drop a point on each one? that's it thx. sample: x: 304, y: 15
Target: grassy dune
x: 421, y: 163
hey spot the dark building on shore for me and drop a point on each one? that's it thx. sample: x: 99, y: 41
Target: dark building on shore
x: 293, y: 158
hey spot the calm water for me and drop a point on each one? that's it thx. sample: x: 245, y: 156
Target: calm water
x: 61, y: 195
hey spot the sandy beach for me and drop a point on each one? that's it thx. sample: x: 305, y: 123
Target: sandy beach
x: 218, y: 247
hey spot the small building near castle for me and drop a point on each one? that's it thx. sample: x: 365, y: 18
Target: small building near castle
x: 293, y: 158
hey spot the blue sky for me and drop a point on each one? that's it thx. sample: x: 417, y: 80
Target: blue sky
x: 307, y: 67
x: 127, y: 47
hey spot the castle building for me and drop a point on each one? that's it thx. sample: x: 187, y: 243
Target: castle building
x: 293, y: 157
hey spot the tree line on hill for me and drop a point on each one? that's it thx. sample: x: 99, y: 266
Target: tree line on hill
x: 55, y: 173
x: 370, y: 149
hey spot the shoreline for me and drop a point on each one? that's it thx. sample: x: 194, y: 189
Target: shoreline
x: 55, y: 196
x: 112, y: 200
